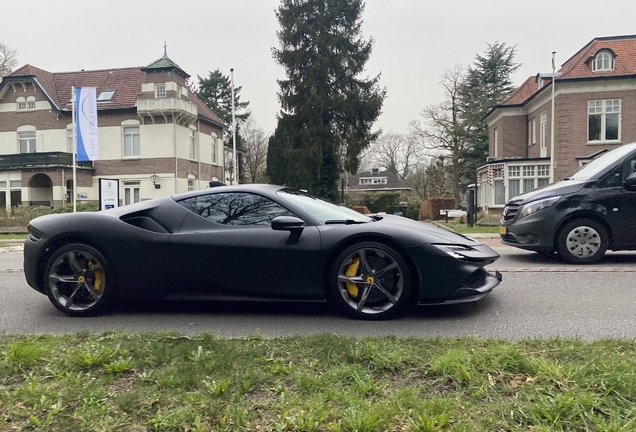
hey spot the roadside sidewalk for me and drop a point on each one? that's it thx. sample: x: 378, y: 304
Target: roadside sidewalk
x: 11, y: 245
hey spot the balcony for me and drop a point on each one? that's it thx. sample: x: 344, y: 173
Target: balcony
x: 181, y: 110
x: 40, y: 160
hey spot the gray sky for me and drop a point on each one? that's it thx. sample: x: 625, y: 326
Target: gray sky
x: 415, y: 40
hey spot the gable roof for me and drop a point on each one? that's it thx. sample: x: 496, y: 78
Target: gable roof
x: 393, y: 182
x: 126, y: 82
x: 578, y: 67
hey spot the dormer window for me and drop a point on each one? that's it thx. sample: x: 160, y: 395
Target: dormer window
x: 26, y: 104
x: 603, y: 61
x: 106, y: 96
x: 160, y: 91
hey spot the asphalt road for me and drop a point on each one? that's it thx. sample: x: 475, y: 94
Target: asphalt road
x: 539, y: 297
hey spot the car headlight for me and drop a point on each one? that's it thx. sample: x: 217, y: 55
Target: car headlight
x: 536, y: 206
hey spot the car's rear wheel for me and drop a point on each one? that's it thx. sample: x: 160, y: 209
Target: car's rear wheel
x: 582, y: 241
x: 370, y: 281
x: 78, y: 280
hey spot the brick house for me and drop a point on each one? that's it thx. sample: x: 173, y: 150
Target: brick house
x: 595, y: 111
x: 149, y: 124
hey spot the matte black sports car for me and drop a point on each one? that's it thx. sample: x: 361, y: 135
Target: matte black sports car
x: 252, y: 242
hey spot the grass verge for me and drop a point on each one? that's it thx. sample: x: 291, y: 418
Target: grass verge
x: 169, y: 382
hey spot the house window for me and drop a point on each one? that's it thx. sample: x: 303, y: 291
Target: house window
x: 69, y: 138
x: 214, y: 148
x: 192, y: 145
x: 190, y: 185
x: 604, y: 120
x: 500, y: 193
x: 106, y: 96
x: 373, y: 180
x: 27, y: 141
x: 160, y: 91
x: 603, y: 61
x: 131, y: 141
x: 31, y: 103
x: 131, y: 193
x: 543, y: 130
x: 514, y: 171
x: 513, y: 188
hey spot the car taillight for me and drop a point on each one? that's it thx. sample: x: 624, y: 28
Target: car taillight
x: 29, y: 228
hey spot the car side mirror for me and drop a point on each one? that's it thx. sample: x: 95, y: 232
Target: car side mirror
x: 630, y: 182
x: 292, y: 224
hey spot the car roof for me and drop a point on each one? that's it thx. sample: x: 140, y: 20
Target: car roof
x: 253, y: 188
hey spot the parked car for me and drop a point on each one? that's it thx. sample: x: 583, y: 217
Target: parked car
x: 581, y: 216
x: 252, y: 242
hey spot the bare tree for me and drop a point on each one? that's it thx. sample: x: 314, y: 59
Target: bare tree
x: 255, y: 141
x: 394, y: 152
x: 8, y: 59
x: 442, y: 128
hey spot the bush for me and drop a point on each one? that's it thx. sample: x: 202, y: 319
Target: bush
x: 21, y: 216
x: 413, y: 208
x: 432, y: 206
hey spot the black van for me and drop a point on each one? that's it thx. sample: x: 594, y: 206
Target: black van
x: 581, y: 216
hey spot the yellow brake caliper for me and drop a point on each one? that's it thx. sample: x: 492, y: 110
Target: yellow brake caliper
x: 99, y: 276
x: 352, y: 270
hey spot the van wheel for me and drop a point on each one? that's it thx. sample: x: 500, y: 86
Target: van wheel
x: 582, y: 241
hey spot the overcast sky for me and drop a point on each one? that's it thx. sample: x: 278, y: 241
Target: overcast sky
x: 415, y: 40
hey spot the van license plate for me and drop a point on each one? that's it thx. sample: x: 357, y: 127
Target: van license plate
x: 503, y: 230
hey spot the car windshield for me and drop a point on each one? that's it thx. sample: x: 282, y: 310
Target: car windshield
x: 593, y: 168
x: 320, y: 210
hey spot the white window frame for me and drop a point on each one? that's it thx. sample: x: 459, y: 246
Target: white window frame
x: 602, y: 108
x: 543, y: 134
x: 193, y: 144
x: 603, y: 62
x: 28, y: 138
x: 128, y: 132
x: 160, y: 91
x: 132, y: 192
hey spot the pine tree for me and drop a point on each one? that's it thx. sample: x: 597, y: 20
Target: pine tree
x: 327, y: 110
x: 487, y: 83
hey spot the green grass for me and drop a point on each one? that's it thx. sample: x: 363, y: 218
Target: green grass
x: 169, y: 382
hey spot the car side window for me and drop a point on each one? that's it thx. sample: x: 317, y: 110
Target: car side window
x: 235, y: 208
x: 629, y: 167
x: 613, y: 179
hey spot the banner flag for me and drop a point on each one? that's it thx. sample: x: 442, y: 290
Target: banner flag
x: 86, y: 123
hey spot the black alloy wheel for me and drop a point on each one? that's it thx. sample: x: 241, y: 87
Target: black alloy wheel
x: 370, y: 281
x: 582, y: 241
x: 78, y: 280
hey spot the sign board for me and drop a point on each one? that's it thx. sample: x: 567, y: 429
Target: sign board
x: 453, y: 213
x: 108, y: 193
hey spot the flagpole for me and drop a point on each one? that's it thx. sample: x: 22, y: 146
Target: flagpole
x: 552, y: 158
x: 234, y: 159
x: 74, y: 151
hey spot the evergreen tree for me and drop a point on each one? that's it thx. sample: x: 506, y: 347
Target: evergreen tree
x: 327, y: 110
x: 487, y: 83
x: 215, y: 92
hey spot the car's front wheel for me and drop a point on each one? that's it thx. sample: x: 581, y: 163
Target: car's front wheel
x: 370, y: 281
x: 582, y: 241
x: 78, y: 280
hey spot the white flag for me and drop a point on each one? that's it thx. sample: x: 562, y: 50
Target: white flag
x: 86, y: 121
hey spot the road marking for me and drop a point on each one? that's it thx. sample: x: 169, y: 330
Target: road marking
x: 11, y: 271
